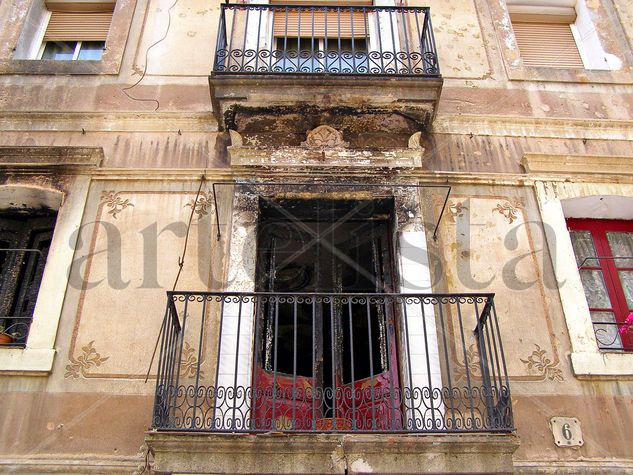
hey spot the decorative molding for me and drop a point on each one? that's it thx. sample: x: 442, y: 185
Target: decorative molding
x: 508, y: 210
x: 203, y: 205
x: 34, y: 157
x: 403, y: 158
x: 108, y: 122
x: 542, y: 127
x: 456, y: 210
x: 114, y: 201
x: 541, y: 163
x: 325, y: 136
x: 473, y: 360
x: 89, y: 358
x: 593, y: 466
x: 414, y: 142
x: 315, y: 160
x: 236, y: 138
x: 53, y: 463
x: 539, y: 362
x: 189, y: 363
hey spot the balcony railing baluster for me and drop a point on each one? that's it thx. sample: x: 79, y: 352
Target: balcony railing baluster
x: 357, y: 376
x: 327, y: 40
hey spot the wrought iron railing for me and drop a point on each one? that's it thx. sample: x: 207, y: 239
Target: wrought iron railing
x: 261, y: 362
x: 613, y: 330
x: 21, y: 271
x: 319, y: 39
x: 612, y: 335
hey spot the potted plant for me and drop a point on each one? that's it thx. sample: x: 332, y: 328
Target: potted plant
x: 5, y: 337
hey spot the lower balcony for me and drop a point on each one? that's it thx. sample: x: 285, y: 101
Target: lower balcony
x: 246, y: 380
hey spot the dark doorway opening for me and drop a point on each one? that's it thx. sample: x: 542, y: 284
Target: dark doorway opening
x: 325, y: 351
x: 25, y: 239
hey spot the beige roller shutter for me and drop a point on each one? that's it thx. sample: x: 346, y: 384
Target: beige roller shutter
x: 78, y: 26
x: 343, y: 22
x: 549, y: 45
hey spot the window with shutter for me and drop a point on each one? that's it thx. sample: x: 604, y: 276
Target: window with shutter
x: 344, y: 23
x: 312, y: 40
x: 549, y: 45
x: 544, y: 33
x: 76, y: 31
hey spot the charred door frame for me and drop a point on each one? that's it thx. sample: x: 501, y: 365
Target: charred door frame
x: 242, y: 250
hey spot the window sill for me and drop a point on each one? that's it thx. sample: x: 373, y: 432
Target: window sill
x: 575, y: 75
x: 26, y: 361
x: 602, y: 364
x: 51, y: 66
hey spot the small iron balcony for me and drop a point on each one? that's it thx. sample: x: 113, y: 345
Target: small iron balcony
x: 326, y: 40
x: 359, y: 363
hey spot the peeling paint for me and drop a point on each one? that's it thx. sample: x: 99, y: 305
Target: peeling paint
x: 361, y: 466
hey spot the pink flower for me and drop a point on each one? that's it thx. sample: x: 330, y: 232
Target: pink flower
x: 627, y: 325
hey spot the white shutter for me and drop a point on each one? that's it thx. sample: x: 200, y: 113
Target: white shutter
x: 549, y: 45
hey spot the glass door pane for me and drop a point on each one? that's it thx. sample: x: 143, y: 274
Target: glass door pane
x: 584, y: 248
x: 595, y: 289
x: 621, y: 245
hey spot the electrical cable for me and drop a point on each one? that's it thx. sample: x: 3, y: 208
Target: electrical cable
x: 125, y: 89
x: 181, y: 263
x: 181, y: 260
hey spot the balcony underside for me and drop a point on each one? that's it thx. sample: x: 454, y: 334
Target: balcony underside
x: 331, y: 453
x: 240, y: 100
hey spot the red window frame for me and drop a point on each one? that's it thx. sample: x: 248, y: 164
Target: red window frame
x: 599, y: 229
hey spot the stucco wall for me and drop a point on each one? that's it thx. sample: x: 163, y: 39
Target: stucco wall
x: 95, y: 406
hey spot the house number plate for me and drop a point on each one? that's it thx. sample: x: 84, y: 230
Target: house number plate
x: 567, y: 431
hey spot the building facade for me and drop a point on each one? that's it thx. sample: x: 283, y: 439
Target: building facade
x: 316, y: 237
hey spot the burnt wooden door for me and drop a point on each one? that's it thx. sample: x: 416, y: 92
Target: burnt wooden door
x: 326, y: 354
x: 24, y: 243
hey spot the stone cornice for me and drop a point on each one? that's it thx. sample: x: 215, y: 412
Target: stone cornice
x: 281, y: 174
x: 563, y: 164
x: 458, y: 124
x: 542, y: 127
x: 334, y: 159
x: 50, y: 158
x: 107, y: 122
x: 325, y: 174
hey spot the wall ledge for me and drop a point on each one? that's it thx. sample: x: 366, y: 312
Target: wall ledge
x: 542, y: 163
x: 528, y: 126
x: 602, y: 365
x: 45, y: 157
x: 331, y: 453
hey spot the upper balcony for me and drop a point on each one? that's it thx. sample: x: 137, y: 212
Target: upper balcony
x: 281, y: 59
